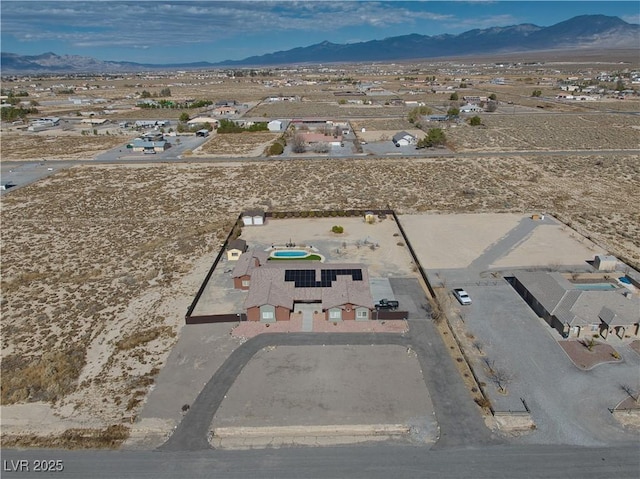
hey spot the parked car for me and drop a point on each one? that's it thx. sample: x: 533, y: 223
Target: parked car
x: 387, y: 304
x: 462, y: 296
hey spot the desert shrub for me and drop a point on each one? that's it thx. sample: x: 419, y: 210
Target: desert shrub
x: 109, y: 438
x: 276, y: 149
x: 44, y: 378
x: 142, y: 337
x: 475, y: 120
x: 337, y: 229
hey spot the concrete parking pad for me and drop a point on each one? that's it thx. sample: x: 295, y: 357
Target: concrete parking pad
x: 329, y: 386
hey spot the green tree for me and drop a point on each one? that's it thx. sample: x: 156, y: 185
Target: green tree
x: 463, y: 85
x: 453, y: 111
x: 165, y: 92
x: 454, y: 96
x: 475, y: 121
x: 435, y: 137
x: 145, y: 94
x: 493, y: 97
x: 620, y: 85
x: 536, y: 93
x: 184, y: 117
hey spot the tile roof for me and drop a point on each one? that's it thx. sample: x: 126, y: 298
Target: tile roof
x: 268, y: 286
x: 573, y: 306
x: 247, y: 262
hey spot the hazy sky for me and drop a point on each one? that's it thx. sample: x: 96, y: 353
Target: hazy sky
x: 186, y: 31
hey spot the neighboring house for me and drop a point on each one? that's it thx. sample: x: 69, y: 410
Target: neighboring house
x: 337, y: 292
x: 312, y: 138
x: 149, y: 123
x: 226, y: 103
x: 404, y: 139
x: 577, y: 312
x: 203, y: 120
x: 225, y: 110
x: 150, y: 142
x: 470, y: 108
x: 94, y: 121
x: 235, y: 248
x: 253, y: 217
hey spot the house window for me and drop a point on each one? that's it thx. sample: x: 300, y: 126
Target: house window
x: 245, y: 283
x: 267, y: 315
x: 362, y: 314
x: 335, y: 314
x: 595, y: 327
x: 234, y: 253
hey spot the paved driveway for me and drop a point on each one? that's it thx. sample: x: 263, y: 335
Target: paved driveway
x: 568, y: 405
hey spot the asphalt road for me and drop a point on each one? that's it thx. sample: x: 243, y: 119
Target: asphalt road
x: 369, y: 462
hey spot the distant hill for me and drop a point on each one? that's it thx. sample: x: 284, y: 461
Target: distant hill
x: 586, y: 31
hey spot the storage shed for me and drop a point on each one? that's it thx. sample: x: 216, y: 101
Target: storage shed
x: 603, y: 262
x: 235, y: 248
x: 253, y: 217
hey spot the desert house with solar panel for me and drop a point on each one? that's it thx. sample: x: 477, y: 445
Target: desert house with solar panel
x: 279, y: 289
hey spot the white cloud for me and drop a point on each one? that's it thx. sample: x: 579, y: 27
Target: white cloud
x: 100, y: 23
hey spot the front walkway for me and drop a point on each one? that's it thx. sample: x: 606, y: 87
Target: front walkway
x: 249, y: 329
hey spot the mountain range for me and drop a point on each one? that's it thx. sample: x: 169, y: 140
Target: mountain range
x: 586, y: 31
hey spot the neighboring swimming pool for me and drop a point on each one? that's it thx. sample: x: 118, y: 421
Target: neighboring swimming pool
x: 594, y: 286
x: 290, y: 253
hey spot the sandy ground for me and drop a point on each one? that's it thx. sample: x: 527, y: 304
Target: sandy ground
x: 134, y: 244
x: 454, y: 241
x: 551, y: 245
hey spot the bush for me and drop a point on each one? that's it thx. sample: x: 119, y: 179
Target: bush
x: 337, y: 229
x: 475, y: 121
x: 276, y: 149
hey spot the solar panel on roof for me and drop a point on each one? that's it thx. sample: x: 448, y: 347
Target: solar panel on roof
x: 306, y: 278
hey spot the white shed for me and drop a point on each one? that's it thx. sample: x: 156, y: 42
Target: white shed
x: 274, y: 125
x: 253, y: 218
x: 605, y: 263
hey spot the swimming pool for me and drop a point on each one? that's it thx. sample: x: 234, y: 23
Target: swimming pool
x: 594, y: 286
x: 290, y: 253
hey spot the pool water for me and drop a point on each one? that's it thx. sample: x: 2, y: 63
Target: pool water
x: 289, y: 254
x: 594, y: 286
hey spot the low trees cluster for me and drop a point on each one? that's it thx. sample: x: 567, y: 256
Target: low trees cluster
x: 228, y: 126
x: 435, y: 137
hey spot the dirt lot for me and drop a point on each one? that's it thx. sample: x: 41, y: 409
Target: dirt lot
x: 57, y: 145
x: 248, y: 144
x: 547, y: 132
